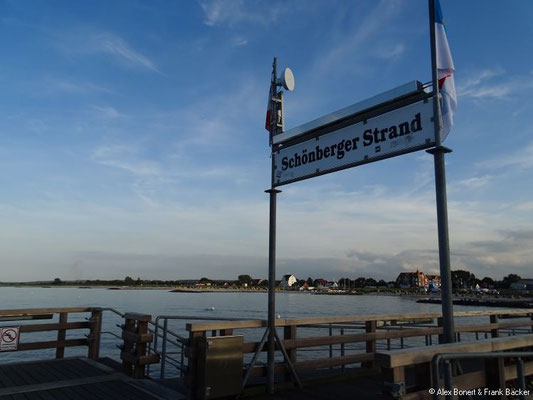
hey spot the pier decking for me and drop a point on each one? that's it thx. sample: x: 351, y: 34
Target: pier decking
x: 75, y: 378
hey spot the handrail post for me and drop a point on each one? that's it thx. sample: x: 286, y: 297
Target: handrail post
x: 494, y: 332
x: 495, y: 369
x: 164, y: 348
x: 289, y: 333
x: 61, y: 335
x: 192, y: 363
x: 94, y: 333
x: 370, y: 327
x: 134, y: 351
x: 342, y: 349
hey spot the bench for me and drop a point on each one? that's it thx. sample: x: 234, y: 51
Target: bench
x: 395, y: 362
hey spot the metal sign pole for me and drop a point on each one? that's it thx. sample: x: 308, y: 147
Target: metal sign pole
x: 440, y: 188
x: 272, y: 243
x: 271, y: 291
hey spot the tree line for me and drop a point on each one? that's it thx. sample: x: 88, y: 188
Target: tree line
x: 460, y: 279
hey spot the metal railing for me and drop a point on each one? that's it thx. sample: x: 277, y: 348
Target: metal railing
x: 446, y: 372
x: 165, y: 337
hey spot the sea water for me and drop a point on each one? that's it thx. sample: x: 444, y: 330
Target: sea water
x: 238, y: 305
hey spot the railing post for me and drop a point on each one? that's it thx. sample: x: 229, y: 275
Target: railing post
x: 330, y: 346
x: 495, y: 368
x: 289, y: 333
x: 134, y: 351
x: 61, y: 335
x: 164, y: 349
x: 370, y: 344
x: 192, y: 363
x: 95, y: 324
x: 440, y: 324
x: 342, y: 349
x: 495, y: 331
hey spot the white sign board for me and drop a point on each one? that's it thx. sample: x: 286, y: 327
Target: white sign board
x: 9, y: 338
x: 400, y: 131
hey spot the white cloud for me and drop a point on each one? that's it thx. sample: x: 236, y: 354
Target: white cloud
x: 522, y: 159
x: 493, y: 84
x: 390, y: 52
x: 74, y: 87
x: 85, y: 41
x: 107, y: 112
x: 233, y: 12
x: 117, y: 47
x: 476, y: 181
x: 365, y: 29
x: 126, y: 158
x: 239, y: 41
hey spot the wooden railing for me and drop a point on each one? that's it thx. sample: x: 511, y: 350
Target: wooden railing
x: 374, y: 328
x: 136, y: 337
x: 92, y: 327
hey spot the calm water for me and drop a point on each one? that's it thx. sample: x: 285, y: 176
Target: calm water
x: 162, y: 302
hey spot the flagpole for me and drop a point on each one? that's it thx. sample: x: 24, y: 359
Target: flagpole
x: 441, y: 196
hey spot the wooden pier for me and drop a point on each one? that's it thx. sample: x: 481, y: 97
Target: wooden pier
x: 375, y: 355
x: 75, y: 378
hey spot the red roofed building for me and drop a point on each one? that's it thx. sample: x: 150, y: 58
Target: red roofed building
x: 416, y: 279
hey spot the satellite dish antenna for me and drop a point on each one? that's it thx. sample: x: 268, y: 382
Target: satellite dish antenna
x: 286, y: 79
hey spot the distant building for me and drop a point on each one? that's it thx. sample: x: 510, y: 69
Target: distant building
x: 416, y: 280
x: 333, y: 285
x: 523, y: 284
x: 435, y: 279
x: 287, y: 281
x: 320, y: 283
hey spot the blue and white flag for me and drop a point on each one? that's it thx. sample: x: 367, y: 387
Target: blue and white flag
x: 445, y: 71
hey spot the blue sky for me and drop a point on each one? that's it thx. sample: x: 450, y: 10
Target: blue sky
x: 132, y: 139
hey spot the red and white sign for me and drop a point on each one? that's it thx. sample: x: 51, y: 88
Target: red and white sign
x: 9, y: 338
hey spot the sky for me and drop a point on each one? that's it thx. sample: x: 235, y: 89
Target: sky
x: 132, y: 139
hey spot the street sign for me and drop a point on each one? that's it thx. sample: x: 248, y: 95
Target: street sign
x: 391, y: 131
x: 9, y: 338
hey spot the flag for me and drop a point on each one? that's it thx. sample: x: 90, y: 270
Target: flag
x: 269, y: 110
x: 445, y: 69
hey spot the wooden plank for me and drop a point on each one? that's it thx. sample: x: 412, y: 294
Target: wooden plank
x: 405, y: 357
x: 493, y: 326
x: 56, y: 384
x: 333, y: 361
x: 512, y: 342
x: 315, y: 364
x: 511, y: 372
x: 197, y: 327
x: 37, y: 311
x: 64, y: 370
x: 38, y: 372
x: 139, y: 360
x: 316, y: 341
x: 54, y: 327
x: 138, y: 338
x: 114, y: 390
x: 395, y: 358
x: 13, y: 375
x: 52, y: 344
x: 138, y: 317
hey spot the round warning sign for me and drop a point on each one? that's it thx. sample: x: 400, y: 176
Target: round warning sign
x: 9, y: 335
x: 9, y: 338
